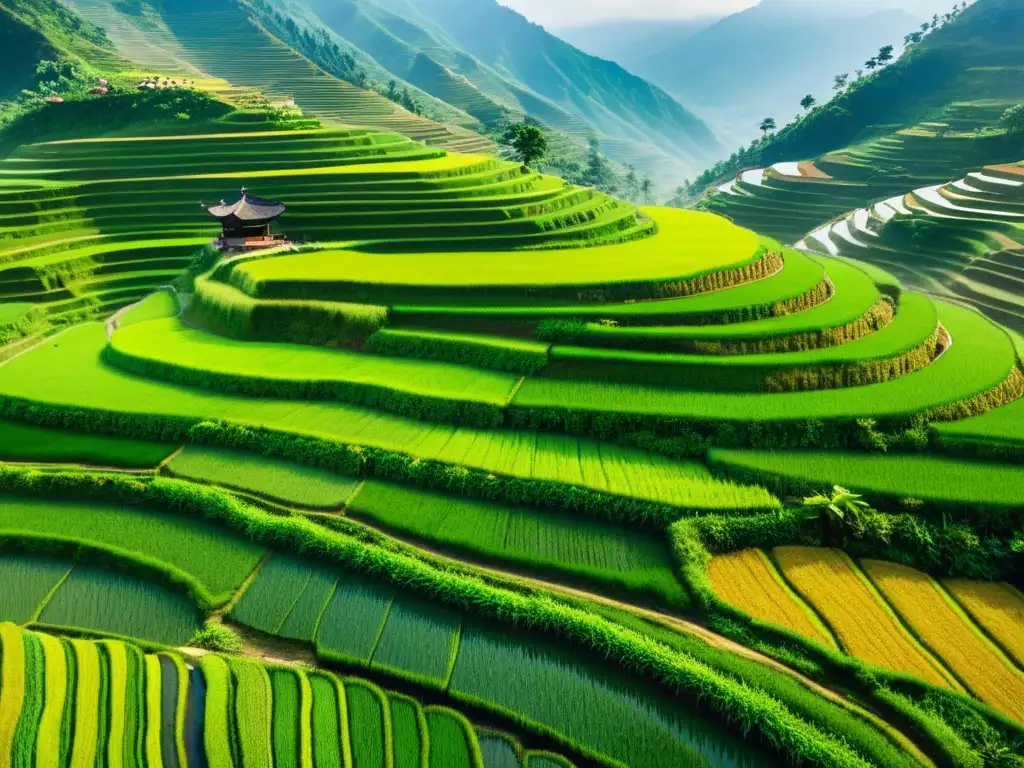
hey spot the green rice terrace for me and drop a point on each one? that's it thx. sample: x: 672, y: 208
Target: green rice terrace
x: 322, y: 446
x: 913, y: 167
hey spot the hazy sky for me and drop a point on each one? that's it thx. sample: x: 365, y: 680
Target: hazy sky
x: 571, y: 13
x: 556, y: 13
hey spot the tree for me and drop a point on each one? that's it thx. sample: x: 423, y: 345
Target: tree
x: 871, y: 64
x: 647, y: 189
x: 528, y: 142
x: 841, y: 82
x: 839, y: 511
x: 392, y: 92
x: 767, y: 125
x: 632, y: 183
x: 885, y: 54
x: 807, y: 102
x: 1013, y: 120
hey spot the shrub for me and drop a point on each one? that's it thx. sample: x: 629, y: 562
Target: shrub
x: 218, y: 638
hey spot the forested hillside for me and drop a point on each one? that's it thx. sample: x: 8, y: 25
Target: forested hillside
x: 471, y: 64
x: 764, y: 60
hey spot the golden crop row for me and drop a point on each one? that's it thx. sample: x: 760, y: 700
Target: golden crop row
x: 863, y: 624
x: 935, y: 618
x: 749, y: 581
x: 888, y: 615
x: 997, y: 608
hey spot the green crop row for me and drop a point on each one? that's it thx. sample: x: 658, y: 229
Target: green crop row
x: 854, y: 310
x: 453, y: 743
x: 791, y: 734
x: 970, y: 377
x: 493, y: 352
x: 784, y: 282
x: 419, y: 639
x: 227, y: 312
x: 512, y: 467
x: 168, y: 350
x: 412, y: 745
x: 545, y: 542
x: 902, y: 347
x: 278, y: 480
x: 266, y: 603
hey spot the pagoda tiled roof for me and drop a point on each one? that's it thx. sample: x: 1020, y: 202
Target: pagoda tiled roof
x: 248, y: 208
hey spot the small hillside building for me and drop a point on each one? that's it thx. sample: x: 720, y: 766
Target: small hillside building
x: 245, y: 225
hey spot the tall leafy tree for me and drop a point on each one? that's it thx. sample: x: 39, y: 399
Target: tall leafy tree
x: 840, y: 82
x: 885, y: 54
x: 527, y: 142
x: 767, y: 125
x: 647, y: 189
x: 808, y: 101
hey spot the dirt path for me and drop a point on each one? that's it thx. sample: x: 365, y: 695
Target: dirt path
x: 1007, y: 243
x: 809, y: 170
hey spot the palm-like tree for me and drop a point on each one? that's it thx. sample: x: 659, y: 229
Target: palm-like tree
x: 840, y: 510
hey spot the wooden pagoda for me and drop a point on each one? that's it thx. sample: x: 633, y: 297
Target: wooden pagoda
x: 245, y: 225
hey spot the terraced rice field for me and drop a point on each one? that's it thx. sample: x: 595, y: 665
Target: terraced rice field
x: 212, y: 557
x: 249, y: 56
x: 608, y: 468
x: 942, y: 480
x: 971, y: 228
x: 487, y: 362
x: 934, y: 617
x: 997, y: 608
x: 284, y: 481
x: 564, y: 545
x: 966, y: 632
x: 131, y: 708
x: 750, y: 581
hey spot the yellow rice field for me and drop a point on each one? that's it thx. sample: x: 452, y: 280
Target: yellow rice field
x: 865, y: 628
x: 748, y: 580
x: 936, y: 619
x: 997, y: 608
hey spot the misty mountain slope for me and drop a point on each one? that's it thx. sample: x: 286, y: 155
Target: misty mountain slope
x: 958, y: 82
x: 521, y: 66
x: 763, y: 61
x: 923, y: 122
x: 630, y: 42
